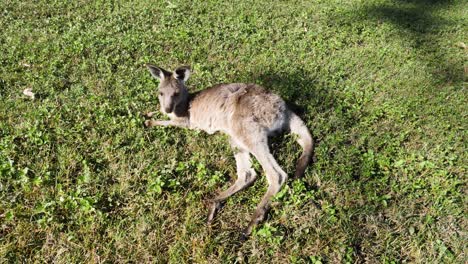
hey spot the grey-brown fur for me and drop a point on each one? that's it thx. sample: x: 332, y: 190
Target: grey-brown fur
x: 248, y: 114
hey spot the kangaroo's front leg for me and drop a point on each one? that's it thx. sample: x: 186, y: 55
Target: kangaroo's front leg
x: 152, y: 123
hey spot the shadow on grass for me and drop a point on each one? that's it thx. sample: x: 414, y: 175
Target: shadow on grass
x: 299, y: 89
x: 416, y: 22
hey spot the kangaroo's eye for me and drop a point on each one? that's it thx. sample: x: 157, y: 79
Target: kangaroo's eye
x: 161, y: 94
x: 176, y: 94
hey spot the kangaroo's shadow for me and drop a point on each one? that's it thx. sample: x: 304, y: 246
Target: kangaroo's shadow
x: 300, y: 90
x: 304, y: 96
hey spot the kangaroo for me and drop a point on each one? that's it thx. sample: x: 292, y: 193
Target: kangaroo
x: 248, y: 113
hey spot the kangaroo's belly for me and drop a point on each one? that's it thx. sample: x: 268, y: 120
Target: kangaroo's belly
x: 209, y: 125
x: 210, y: 118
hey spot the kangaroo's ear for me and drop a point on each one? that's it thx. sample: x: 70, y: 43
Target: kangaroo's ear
x: 157, y: 72
x: 182, y: 73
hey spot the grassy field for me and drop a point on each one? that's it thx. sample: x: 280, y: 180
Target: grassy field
x: 380, y: 83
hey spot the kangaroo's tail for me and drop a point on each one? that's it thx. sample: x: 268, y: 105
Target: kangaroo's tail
x: 304, y: 139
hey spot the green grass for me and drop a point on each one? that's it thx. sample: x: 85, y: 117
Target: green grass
x: 380, y: 83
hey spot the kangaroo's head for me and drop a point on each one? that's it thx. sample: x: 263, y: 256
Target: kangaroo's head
x: 172, y: 90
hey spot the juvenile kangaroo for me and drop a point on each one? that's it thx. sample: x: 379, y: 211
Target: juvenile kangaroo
x: 248, y: 114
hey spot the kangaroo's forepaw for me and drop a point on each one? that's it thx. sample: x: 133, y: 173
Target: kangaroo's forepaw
x: 149, y: 123
x: 149, y: 114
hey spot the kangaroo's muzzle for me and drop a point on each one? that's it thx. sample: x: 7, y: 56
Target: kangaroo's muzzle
x: 169, y: 108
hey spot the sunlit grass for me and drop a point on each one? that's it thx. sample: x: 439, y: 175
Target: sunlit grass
x: 381, y: 84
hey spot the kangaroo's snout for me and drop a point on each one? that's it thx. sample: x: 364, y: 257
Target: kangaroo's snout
x: 168, y: 104
x: 169, y: 109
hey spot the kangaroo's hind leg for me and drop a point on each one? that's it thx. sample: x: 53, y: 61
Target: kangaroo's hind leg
x: 276, y: 177
x: 245, y: 177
